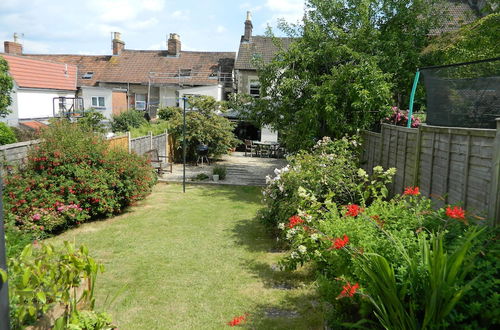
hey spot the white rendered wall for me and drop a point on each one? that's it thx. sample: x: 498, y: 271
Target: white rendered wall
x: 38, y: 103
x: 215, y: 91
x: 88, y: 92
x: 268, y: 135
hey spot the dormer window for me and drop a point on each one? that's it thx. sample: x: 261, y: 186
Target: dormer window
x: 88, y: 75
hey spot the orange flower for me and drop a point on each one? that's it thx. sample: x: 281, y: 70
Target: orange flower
x: 353, y: 210
x: 294, y: 221
x: 455, y: 212
x: 348, y: 290
x: 412, y: 191
x: 237, y: 320
x: 339, y: 243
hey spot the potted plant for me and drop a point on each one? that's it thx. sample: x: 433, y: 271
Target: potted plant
x: 219, y: 173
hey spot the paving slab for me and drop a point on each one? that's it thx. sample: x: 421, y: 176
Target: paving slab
x: 241, y: 170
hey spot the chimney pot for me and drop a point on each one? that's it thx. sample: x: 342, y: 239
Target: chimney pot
x: 12, y: 47
x: 118, y: 44
x: 248, y: 28
x: 174, y: 44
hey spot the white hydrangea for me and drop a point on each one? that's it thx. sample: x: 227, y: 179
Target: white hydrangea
x: 281, y: 225
x: 314, y: 237
x: 302, y: 249
x: 378, y: 169
x: 362, y: 173
x: 294, y: 255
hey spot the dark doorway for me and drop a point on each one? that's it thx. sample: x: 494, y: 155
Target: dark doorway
x: 246, y: 131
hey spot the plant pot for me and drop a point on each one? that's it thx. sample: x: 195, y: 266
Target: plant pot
x: 215, y: 177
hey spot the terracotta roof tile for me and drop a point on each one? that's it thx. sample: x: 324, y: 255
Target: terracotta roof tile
x: 134, y: 66
x: 32, y: 73
x: 35, y: 125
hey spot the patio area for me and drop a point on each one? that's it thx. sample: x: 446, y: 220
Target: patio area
x: 241, y: 170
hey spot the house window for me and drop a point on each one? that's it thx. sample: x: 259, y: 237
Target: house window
x: 254, y: 88
x: 98, y: 102
x: 88, y: 75
x: 184, y: 73
x: 140, y: 101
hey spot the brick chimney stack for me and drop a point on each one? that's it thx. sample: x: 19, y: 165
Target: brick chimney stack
x: 118, y: 44
x: 248, y: 28
x: 13, y: 47
x: 174, y: 45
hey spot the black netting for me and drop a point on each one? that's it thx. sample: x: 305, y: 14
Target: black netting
x: 463, y: 95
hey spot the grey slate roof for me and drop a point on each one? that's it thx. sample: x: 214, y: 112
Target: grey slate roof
x: 258, y: 47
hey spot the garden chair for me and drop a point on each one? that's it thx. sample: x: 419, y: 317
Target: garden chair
x: 265, y: 150
x: 156, y: 161
x: 250, y: 147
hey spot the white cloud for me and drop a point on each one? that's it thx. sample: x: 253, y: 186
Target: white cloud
x: 141, y: 25
x: 36, y: 47
x: 289, y: 10
x: 180, y: 15
x: 153, y: 5
x: 221, y: 29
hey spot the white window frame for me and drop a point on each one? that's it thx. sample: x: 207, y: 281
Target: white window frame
x: 97, y: 100
x: 254, y: 87
x: 140, y: 104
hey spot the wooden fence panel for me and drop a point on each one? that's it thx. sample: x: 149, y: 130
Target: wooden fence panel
x: 121, y: 142
x: 451, y: 165
x: 141, y: 144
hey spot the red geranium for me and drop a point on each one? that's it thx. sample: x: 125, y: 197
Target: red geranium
x: 455, y: 212
x: 294, y: 221
x: 412, y: 191
x: 348, y: 290
x: 353, y: 210
x: 237, y: 320
x: 339, y: 243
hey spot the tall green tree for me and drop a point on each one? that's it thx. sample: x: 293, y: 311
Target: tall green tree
x: 351, y: 60
x: 6, y: 85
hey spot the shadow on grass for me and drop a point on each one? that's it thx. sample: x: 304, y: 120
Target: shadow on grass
x: 300, y: 307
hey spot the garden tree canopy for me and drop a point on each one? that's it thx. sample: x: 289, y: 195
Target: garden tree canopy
x: 6, y: 85
x: 203, y: 126
x: 476, y: 41
x: 349, y: 58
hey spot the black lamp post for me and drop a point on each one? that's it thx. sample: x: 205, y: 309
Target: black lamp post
x: 184, y: 145
x: 4, y: 292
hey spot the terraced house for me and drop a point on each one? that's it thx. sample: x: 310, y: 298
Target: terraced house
x: 141, y: 79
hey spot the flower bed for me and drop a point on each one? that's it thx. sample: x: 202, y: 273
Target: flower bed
x: 397, y: 262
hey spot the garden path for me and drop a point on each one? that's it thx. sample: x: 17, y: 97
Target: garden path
x: 241, y: 170
x: 196, y: 261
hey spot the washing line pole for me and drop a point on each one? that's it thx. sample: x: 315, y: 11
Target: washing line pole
x: 412, y: 97
x: 4, y: 292
x: 184, y: 145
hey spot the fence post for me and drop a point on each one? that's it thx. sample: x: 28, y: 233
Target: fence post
x: 494, y: 202
x: 150, y: 140
x: 129, y: 143
x: 166, y: 145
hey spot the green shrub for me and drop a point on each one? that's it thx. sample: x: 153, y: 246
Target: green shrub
x: 167, y: 113
x: 157, y: 127
x: 203, y: 126
x: 71, y: 177
x: 127, y: 120
x: 330, y: 169
x: 220, y: 171
x: 25, y: 134
x: 7, y: 135
x: 92, y: 120
x: 44, y: 276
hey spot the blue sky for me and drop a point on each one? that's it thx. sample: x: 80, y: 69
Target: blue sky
x: 85, y: 26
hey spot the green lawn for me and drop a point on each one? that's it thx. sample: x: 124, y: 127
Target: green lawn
x: 195, y: 261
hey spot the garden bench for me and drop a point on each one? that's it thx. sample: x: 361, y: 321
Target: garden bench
x: 157, y: 161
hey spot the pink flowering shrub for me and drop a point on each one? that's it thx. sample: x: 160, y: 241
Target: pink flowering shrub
x: 72, y: 177
x: 400, y: 118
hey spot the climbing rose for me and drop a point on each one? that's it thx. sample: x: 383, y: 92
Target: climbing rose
x: 36, y: 217
x: 237, y: 320
x: 353, y: 210
x: 412, y: 191
x: 348, y: 290
x: 294, y: 221
x: 339, y: 243
x: 455, y: 212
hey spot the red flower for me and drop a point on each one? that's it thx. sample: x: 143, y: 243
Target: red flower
x: 412, y: 191
x: 455, y: 212
x: 348, y: 290
x: 237, y: 320
x: 294, y: 221
x: 353, y: 210
x: 339, y: 243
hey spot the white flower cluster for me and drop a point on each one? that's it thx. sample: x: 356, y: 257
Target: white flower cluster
x: 281, y: 226
x: 302, y: 249
x: 294, y: 255
x: 314, y: 237
x: 291, y: 233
